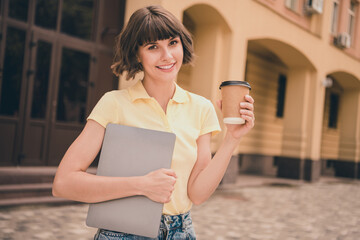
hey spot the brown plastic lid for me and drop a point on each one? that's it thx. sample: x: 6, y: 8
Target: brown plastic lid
x: 231, y: 83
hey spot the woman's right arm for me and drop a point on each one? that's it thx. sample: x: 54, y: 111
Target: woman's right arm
x: 73, y: 182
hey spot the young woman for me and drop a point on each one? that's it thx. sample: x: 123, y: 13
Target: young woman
x: 156, y: 43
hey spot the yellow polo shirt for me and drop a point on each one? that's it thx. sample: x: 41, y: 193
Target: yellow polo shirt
x: 188, y: 116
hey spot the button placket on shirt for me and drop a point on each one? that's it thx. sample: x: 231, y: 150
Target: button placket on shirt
x: 164, y: 117
x: 168, y: 116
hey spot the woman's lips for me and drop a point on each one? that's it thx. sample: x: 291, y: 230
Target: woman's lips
x: 166, y: 67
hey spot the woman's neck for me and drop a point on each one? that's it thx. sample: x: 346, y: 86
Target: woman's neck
x: 161, y: 91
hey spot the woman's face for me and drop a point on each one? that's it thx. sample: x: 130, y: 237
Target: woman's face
x: 162, y: 59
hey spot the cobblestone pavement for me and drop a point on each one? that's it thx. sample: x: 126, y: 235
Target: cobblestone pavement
x: 281, y: 210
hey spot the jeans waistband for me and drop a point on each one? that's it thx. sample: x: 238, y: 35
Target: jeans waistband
x: 176, y: 221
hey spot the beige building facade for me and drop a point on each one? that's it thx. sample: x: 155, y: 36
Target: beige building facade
x: 302, y: 59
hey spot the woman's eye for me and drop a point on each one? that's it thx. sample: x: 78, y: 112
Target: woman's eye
x: 173, y: 42
x: 152, y: 47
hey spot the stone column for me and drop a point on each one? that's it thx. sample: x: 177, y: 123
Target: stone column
x: 297, y: 160
x: 349, y: 120
x: 296, y: 113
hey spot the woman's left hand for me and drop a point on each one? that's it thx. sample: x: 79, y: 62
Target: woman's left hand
x: 247, y: 113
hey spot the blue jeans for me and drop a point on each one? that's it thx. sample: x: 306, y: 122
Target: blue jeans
x: 177, y: 227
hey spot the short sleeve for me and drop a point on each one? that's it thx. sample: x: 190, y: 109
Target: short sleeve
x: 105, y: 111
x: 210, y: 122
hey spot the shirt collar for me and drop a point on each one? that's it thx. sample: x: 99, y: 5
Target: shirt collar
x: 138, y: 91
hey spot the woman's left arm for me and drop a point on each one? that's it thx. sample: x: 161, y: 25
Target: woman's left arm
x: 207, y: 173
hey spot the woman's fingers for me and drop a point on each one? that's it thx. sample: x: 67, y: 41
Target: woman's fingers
x: 249, y: 99
x: 247, y: 105
x: 250, y: 121
x: 169, y: 172
x: 247, y: 112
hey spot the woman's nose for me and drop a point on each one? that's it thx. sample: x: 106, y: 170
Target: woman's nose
x: 166, y: 54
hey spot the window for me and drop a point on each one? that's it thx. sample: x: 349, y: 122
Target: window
x: 73, y: 86
x: 281, y: 96
x: 352, y: 19
x: 41, y: 80
x: 292, y: 4
x: 12, y: 75
x: 334, y: 108
x: 335, y: 17
x: 77, y: 18
x: 46, y: 13
x: 18, y: 9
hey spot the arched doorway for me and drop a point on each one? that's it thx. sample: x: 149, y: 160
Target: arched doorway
x: 267, y: 74
x: 340, y: 130
x: 211, y: 35
x: 284, y: 85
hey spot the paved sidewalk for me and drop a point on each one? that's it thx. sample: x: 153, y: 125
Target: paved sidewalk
x: 254, y: 208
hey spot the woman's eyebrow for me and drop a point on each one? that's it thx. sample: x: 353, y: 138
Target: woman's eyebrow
x: 149, y: 43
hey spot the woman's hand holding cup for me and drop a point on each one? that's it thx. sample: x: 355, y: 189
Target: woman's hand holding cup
x: 237, y: 107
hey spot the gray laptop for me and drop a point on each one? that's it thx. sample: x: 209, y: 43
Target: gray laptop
x: 130, y: 151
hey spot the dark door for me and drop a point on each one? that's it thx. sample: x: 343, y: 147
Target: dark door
x: 12, y: 89
x: 55, y: 61
x: 69, y: 100
x: 33, y: 140
x: 56, y: 100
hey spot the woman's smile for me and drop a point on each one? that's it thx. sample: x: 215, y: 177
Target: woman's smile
x: 167, y: 67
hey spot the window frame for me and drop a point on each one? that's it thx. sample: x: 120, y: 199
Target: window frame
x: 335, y: 17
x: 352, y: 19
x: 292, y: 5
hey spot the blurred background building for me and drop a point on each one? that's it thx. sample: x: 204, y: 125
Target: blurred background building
x: 301, y: 57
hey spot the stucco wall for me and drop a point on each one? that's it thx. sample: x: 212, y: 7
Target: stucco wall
x: 222, y: 36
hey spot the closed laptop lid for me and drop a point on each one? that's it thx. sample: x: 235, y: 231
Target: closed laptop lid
x: 130, y: 151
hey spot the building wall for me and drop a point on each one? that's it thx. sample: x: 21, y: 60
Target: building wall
x: 258, y: 39
x: 330, y: 142
x: 266, y: 138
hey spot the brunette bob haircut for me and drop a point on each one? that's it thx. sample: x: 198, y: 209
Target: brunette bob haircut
x: 148, y: 24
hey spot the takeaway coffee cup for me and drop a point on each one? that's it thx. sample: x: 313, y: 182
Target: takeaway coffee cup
x: 232, y: 93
